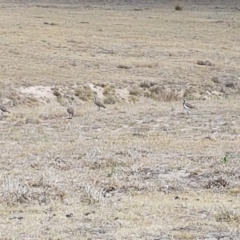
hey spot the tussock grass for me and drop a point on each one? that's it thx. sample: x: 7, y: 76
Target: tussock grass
x: 178, y: 7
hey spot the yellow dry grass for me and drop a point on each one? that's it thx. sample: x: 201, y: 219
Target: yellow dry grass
x: 130, y: 171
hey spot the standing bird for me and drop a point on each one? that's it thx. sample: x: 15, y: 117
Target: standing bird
x: 70, y: 111
x: 187, y: 105
x: 98, y: 103
x: 3, y: 109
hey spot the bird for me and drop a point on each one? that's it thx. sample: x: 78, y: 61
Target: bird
x: 3, y: 109
x: 98, y: 103
x: 70, y: 111
x: 187, y: 105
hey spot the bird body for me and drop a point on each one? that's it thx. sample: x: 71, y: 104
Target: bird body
x: 187, y: 105
x: 3, y: 109
x: 98, y: 103
x: 70, y: 111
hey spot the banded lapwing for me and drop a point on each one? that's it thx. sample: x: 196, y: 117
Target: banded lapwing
x: 70, y: 111
x: 187, y: 106
x: 98, y: 103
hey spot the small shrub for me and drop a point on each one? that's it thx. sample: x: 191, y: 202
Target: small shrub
x: 108, y: 90
x: 32, y: 121
x: 145, y: 84
x: 134, y: 92
x: 133, y: 98
x: 227, y: 216
x: 147, y: 65
x: 215, y: 79
x: 226, y: 157
x: 178, y: 7
x: 83, y: 92
x: 217, y: 183
x: 102, y: 85
x: 204, y: 63
x: 17, y: 190
x: 123, y: 66
x: 110, y: 100
x: 158, y: 93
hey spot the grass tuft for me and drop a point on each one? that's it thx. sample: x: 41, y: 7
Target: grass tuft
x: 178, y: 7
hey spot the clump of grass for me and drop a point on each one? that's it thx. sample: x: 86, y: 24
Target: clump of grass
x: 158, y: 93
x: 178, y: 7
x: 217, y: 183
x: 227, y: 216
x: 109, y: 93
x: 215, y: 79
x: 58, y: 95
x: 32, y: 121
x: 102, y: 85
x: 108, y: 90
x: 226, y: 157
x: 83, y: 92
x: 93, y: 194
x: 133, y: 98
x: 146, y: 84
x: 205, y: 63
x: 110, y: 100
x: 17, y: 190
x: 147, y: 65
x: 169, y: 96
x: 134, y: 92
x: 31, y: 101
x: 123, y: 66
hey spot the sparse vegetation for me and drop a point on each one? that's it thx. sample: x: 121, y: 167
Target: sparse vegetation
x: 83, y: 92
x: 139, y: 169
x: 123, y: 66
x: 158, y: 93
x: 207, y: 63
x: 178, y: 7
x: 134, y: 91
x: 227, y: 216
x: 110, y: 99
x: 226, y: 157
x: 108, y: 90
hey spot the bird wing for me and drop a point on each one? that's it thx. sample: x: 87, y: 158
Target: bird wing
x: 189, y: 105
x: 3, y: 109
x: 70, y: 110
x: 100, y: 104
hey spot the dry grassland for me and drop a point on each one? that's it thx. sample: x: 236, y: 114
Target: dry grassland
x: 141, y: 168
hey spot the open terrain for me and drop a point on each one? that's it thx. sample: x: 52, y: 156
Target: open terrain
x: 143, y: 168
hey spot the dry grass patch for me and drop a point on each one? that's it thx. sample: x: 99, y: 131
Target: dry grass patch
x: 138, y: 169
x: 178, y: 7
x: 83, y: 92
x: 123, y: 66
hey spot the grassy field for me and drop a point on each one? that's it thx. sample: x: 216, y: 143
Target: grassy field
x: 142, y: 168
